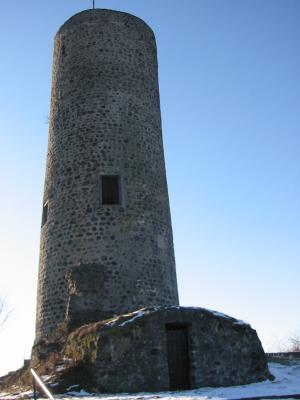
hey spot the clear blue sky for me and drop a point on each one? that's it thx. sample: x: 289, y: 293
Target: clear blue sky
x: 230, y: 97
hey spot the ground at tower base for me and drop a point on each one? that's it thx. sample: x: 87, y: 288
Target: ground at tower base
x: 284, y: 386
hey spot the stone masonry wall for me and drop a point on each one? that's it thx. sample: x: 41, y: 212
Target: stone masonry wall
x: 105, y: 120
x: 129, y: 353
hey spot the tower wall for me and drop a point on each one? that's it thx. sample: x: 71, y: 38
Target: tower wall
x: 99, y: 260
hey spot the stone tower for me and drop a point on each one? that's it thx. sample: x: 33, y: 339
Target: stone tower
x: 106, y: 237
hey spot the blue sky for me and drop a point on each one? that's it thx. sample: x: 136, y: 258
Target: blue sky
x: 230, y: 97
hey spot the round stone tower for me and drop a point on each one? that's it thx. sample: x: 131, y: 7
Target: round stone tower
x: 106, y: 236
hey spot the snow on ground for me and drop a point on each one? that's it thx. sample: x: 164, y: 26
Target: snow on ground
x: 287, y: 382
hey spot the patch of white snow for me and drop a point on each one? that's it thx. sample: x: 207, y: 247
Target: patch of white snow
x: 287, y: 382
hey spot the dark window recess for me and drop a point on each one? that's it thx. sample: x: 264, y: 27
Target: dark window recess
x: 178, y: 357
x: 45, y: 213
x: 110, y: 188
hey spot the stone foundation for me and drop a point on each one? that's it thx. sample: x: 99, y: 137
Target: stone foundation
x: 131, y: 353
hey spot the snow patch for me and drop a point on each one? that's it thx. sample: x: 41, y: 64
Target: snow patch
x: 240, y: 322
x: 60, y: 367
x: 71, y: 387
x: 145, y: 311
x: 80, y: 394
x: 287, y: 382
x: 46, y: 378
x: 134, y: 315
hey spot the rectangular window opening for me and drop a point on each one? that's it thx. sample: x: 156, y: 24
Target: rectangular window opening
x: 110, y: 190
x: 45, y: 213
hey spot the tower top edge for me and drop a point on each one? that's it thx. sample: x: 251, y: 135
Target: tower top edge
x: 92, y: 15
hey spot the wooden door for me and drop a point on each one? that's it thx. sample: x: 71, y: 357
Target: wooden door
x: 178, y: 357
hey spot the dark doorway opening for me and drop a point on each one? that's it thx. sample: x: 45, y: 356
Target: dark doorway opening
x: 178, y: 357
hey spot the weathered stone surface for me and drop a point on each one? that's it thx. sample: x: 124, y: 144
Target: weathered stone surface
x: 129, y: 353
x: 105, y: 120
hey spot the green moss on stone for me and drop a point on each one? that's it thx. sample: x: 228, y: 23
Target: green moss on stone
x: 82, y: 347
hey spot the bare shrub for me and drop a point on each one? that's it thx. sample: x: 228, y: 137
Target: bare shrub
x: 294, y: 343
